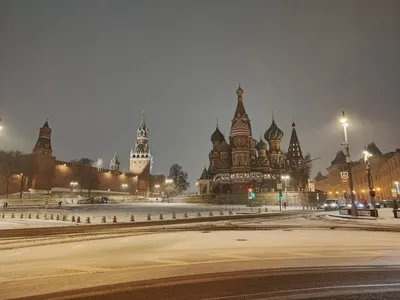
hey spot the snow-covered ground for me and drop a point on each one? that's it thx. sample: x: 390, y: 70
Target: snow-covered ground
x: 64, y: 264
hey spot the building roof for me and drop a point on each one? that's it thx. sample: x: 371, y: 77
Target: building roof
x: 339, y: 159
x: 373, y: 149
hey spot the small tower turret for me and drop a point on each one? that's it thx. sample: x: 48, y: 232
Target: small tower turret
x: 114, y: 163
x: 43, y: 144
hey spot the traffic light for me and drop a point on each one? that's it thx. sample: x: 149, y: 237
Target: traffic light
x: 250, y: 194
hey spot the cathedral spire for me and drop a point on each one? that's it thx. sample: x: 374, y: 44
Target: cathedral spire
x: 43, y: 144
x: 240, y: 111
x: 295, y: 155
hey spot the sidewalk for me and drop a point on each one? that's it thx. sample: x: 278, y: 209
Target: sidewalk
x: 385, y: 217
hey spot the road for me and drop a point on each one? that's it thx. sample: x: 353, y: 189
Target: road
x: 334, y: 283
x: 43, y: 265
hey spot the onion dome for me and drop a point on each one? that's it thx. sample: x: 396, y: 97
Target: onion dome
x: 239, y: 128
x: 261, y: 145
x: 224, y: 147
x: 239, y: 91
x: 273, y: 132
x: 217, y: 136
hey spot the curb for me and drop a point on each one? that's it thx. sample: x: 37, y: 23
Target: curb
x: 354, y: 218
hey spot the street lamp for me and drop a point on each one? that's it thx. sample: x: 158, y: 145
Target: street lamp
x: 395, y: 204
x: 124, y: 186
x: 344, y: 122
x: 286, y: 177
x: 367, y: 155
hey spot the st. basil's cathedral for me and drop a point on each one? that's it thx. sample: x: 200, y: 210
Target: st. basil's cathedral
x: 243, y: 162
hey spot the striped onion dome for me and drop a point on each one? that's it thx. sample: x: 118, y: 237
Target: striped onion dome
x: 273, y: 132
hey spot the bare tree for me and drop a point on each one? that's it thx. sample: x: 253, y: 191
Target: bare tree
x: 179, y: 177
x: 86, y: 177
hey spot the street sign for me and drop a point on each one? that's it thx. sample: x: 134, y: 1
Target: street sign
x: 344, y: 181
x: 279, y: 186
x: 394, y: 193
x: 344, y: 175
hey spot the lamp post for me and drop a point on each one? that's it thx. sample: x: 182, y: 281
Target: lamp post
x: 344, y: 122
x: 395, y: 204
x: 22, y: 185
x: 124, y: 186
x: 367, y: 155
x: 286, y: 177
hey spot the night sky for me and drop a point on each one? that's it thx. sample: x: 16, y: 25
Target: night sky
x: 92, y: 66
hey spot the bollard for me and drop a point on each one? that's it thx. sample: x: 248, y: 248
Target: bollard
x: 2, y: 215
x: 221, y: 213
x: 64, y: 217
x: 185, y: 215
x: 29, y: 216
x: 103, y: 219
x: 87, y: 220
x: 230, y: 212
x: 199, y: 214
x: 395, y: 213
x: 115, y: 219
x: 173, y: 215
x: 132, y: 218
x: 73, y: 219
x: 161, y: 217
x: 58, y: 218
x: 78, y: 219
x: 21, y: 216
x: 51, y: 217
x: 148, y: 217
x: 12, y: 216
x: 37, y: 216
x: 210, y: 214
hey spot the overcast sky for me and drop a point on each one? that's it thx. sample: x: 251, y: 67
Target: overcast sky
x: 92, y: 66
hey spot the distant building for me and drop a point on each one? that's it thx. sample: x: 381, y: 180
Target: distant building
x: 42, y: 171
x: 385, y: 170
x: 242, y: 162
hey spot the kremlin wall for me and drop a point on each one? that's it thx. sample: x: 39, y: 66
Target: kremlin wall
x: 40, y: 170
